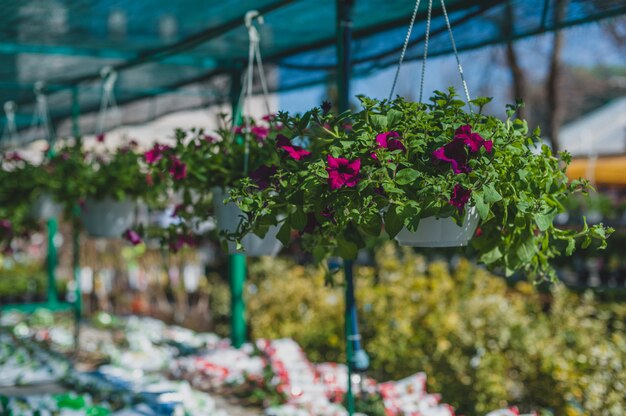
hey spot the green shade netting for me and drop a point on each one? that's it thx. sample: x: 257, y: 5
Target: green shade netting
x: 160, y: 46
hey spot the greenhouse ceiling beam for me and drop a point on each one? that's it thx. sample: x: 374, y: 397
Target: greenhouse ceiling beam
x: 499, y: 41
x: 359, y: 34
x: 378, y: 28
x: 161, y: 53
x: 396, y: 50
x: 13, y: 48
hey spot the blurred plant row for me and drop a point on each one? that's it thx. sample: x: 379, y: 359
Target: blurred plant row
x: 484, y: 344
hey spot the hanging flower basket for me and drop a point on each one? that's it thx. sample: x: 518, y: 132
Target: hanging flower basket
x: 44, y: 208
x: 427, y: 167
x: 440, y: 232
x: 107, y: 218
x: 228, y: 216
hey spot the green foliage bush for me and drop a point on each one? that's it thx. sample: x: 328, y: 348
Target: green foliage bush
x: 484, y: 344
x: 24, y: 282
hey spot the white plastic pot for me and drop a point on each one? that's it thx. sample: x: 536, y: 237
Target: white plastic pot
x: 45, y: 208
x: 440, y: 232
x: 107, y: 218
x: 228, y: 217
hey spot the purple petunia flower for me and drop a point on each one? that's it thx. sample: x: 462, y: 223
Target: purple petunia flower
x: 177, y: 209
x: 295, y: 152
x: 311, y: 223
x: 262, y: 176
x: 460, y: 197
x: 326, y: 107
x: 132, y: 237
x: 342, y: 172
x: 454, y: 153
x: 178, y: 170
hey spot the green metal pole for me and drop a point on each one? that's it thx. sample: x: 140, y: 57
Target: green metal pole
x: 78, y: 302
x: 237, y: 261
x: 349, y: 330
x: 52, y: 261
x: 344, y: 66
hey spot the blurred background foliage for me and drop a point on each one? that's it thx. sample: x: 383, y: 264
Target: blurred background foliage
x: 483, y: 343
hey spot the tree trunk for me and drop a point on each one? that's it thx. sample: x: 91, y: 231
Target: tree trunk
x: 554, y: 78
x: 517, y: 73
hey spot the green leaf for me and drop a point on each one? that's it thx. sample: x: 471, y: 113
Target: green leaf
x: 571, y: 246
x: 526, y: 250
x: 393, y: 221
x: 298, y: 219
x: 491, y: 256
x: 491, y: 195
x: 379, y: 122
x: 481, y: 206
x: 284, y: 234
x: 544, y: 221
x: 319, y: 253
x: 393, y: 116
x: 373, y: 226
x: 407, y: 176
x: 347, y: 249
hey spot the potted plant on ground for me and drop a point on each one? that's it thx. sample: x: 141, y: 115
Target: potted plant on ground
x: 201, y: 167
x: 405, y: 163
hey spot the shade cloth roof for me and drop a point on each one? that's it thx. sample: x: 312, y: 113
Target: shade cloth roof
x: 159, y: 46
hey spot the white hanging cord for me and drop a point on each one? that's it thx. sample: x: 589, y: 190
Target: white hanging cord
x: 255, y: 53
x: 10, y: 130
x: 406, y: 44
x: 456, y: 54
x: 41, y: 112
x: 426, y: 39
x: 107, y: 102
x: 245, y: 98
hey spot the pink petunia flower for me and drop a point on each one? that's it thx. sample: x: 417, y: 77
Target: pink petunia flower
x: 132, y: 237
x: 460, y: 197
x: 472, y: 140
x: 13, y: 157
x: 156, y: 154
x: 260, y: 132
x: 295, y: 152
x: 178, y: 170
x: 268, y: 117
x: 6, y: 225
x: 342, y: 172
x: 390, y: 140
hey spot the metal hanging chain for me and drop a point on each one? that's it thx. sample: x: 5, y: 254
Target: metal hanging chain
x: 456, y: 54
x: 245, y: 98
x: 41, y: 112
x: 406, y: 44
x: 107, y: 102
x: 426, y: 40
x: 10, y: 130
